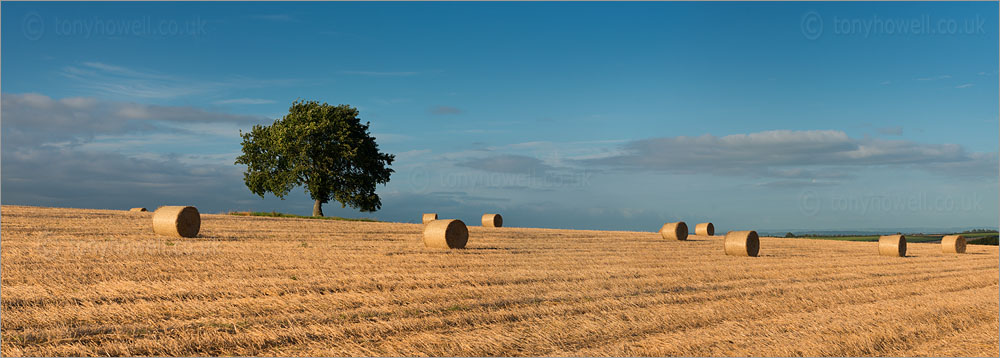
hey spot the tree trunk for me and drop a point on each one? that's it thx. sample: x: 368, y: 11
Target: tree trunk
x: 318, y: 208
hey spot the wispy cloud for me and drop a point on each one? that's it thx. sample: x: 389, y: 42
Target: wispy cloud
x: 244, y: 101
x: 273, y: 17
x: 785, y: 184
x: 885, y: 83
x: 381, y: 73
x: 442, y: 110
x: 965, y: 85
x: 541, y: 174
x: 117, y: 80
x: 512, y: 164
x: 391, y: 137
x: 123, y: 71
x: 145, y: 84
x: 934, y: 78
x: 412, y: 154
x: 897, y: 130
x: 390, y: 101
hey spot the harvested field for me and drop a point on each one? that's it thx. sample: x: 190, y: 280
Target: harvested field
x: 98, y: 282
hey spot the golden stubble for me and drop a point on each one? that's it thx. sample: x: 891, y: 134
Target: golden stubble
x: 99, y: 282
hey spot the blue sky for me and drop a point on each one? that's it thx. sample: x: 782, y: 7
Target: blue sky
x: 767, y: 116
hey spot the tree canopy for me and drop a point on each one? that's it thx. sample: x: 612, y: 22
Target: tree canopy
x: 324, y: 148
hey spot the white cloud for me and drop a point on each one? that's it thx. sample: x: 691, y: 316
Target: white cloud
x: 965, y: 85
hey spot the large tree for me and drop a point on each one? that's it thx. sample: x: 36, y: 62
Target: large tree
x: 324, y: 148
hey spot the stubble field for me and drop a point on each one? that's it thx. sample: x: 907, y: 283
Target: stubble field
x: 98, y: 282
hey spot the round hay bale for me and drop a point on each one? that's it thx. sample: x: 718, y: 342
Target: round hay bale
x: 138, y: 209
x: 492, y: 220
x: 674, y: 231
x: 706, y: 229
x: 892, y: 245
x: 953, y: 244
x: 742, y: 243
x: 446, y: 234
x: 179, y: 221
x: 430, y: 217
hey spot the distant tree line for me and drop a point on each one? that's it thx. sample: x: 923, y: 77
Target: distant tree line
x: 977, y: 231
x: 792, y: 235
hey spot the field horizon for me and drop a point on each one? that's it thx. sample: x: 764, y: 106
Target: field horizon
x: 771, y: 232
x: 99, y: 282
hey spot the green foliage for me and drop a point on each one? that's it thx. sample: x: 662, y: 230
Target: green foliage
x: 989, y: 240
x: 789, y: 235
x: 324, y: 148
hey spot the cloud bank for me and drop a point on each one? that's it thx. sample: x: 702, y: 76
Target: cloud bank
x: 47, y: 159
x: 34, y: 120
x: 781, y: 153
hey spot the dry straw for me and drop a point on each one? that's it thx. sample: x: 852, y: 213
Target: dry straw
x: 674, y: 231
x: 742, y: 243
x: 953, y: 244
x: 138, y: 209
x: 705, y: 229
x: 446, y: 234
x: 179, y: 221
x: 492, y: 220
x: 430, y: 217
x: 892, y: 245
